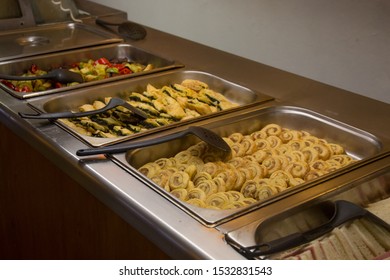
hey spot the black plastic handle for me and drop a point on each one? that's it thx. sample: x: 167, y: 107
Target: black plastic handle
x: 344, y: 211
x: 26, y: 78
x: 114, y: 102
x: 132, y: 145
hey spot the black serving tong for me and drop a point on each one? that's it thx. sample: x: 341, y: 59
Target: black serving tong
x: 204, y: 134
x: 344, y: 211
x: 59, y: 75
x: 114, y: 102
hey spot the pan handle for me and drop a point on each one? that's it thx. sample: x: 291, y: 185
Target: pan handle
x: 344, y: 211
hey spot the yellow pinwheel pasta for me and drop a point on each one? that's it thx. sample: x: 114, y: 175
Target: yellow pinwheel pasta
x: 249, y: 188
x: 272, y: 129
x: 236, y: 137
x: 180, y: 193
x: 178, y: 179
x: 183, y: 157
x: 228, y: 176
x: 310, y: 154
x: 208, y: 187
x: 200, y: 177
x: 217, y: 200
x: 220, y: 183
x: 196, y: 193
x: 324, y: 151
x: 150, y: 169
x: 258, y: 135
x: 298, y: 169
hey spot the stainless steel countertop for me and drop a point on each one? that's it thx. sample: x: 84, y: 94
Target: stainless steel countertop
x: 175, y: 232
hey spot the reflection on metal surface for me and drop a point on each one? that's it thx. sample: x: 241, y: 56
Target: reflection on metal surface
x: 32, y: 41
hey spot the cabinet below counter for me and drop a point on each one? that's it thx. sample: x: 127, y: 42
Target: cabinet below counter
x: 46, y: 214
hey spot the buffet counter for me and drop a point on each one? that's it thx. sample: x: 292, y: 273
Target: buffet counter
x: 55, y: 204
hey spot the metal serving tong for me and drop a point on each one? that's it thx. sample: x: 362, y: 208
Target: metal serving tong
x: 114, y: 102
x: 343, y: 211
x: 204, y: 134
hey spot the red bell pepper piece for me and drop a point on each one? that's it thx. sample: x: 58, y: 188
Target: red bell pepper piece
x: 119, y: 66
x: 8, y: 84
x: 23, y: 89
x: 33, y: 68
x: 125, y: 71
x: 103, y: 60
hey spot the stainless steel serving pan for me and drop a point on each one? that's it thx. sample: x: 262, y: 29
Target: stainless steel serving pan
x: 50, y: 38
x: 72, y: 100
x: 359, y: 144
x: 307, y: 215
x: 117, y: 51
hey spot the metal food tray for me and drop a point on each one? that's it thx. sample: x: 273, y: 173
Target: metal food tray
x: 50, y: 38
x: 120, y: 51
x: 357, y: 143
x: 307, y: 215
x: 72, y: 100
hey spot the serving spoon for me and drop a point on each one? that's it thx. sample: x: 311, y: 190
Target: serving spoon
x: 204, y: 134
x: 114, y: 102
x: 60, y: 75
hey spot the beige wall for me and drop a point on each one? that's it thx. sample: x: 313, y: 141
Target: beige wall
x: 345, y: 43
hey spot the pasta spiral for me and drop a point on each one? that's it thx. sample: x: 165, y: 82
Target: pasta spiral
x: 150, y: 169
x: 217, y: 200
x: 179, y: 179
x: 208, y: 187
x: 220, y: 183
x: 182, y: 157
x: 310, y: 154
x: 249, y: 188
x: 200, y: 177
x: 324, y: 152
x: 298, y: 169
x: 264, y: 192
x: 258, y: 135
x: 180, y: 193
x: 212, y: 168
x: 228, y: 176
x: 271, y: 164
x: 274, y: 141
x: 196, y: 193
x: 236, y: 137
x: 272, y: 129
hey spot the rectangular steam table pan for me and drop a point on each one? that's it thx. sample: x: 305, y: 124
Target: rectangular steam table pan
x: 244, y: 97
x: 50, y: 38
x: 359, y: 144
x: 112, y: 52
